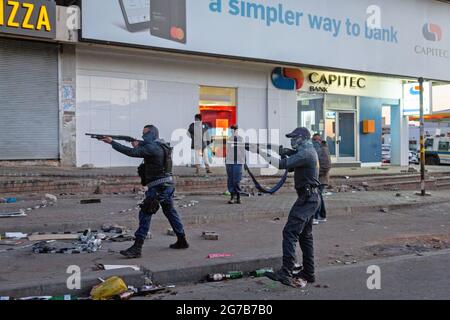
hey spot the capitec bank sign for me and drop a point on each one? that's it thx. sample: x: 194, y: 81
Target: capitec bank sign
x: 314, y: 81
x: 34, y: 18
x: 434, y: 35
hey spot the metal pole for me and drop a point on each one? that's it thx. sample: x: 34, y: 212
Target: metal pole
x: 422, y: 141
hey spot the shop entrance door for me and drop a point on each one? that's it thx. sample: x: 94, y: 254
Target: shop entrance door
x: 341, y: 136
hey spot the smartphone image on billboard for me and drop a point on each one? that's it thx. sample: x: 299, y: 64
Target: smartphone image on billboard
x: 136, y: 14
x: 168, y: 19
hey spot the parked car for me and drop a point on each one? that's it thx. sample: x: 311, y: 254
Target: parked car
x: 386, y: 153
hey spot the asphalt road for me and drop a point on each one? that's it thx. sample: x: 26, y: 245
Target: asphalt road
x: 412, y: 277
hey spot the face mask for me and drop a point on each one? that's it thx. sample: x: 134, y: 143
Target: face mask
x: 296, y: 142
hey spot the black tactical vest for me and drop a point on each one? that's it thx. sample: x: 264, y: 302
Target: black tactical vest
x: 157, y: 167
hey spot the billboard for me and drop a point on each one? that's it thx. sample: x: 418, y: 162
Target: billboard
x: 408, y: 38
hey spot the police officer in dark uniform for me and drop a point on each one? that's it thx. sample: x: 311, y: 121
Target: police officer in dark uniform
x: 156, y: 174
x: 303, y: 160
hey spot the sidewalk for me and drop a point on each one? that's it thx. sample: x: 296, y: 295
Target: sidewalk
x: 69, y: 215
x: 255, y: 242
x: 41, y: 171
x: 40, y: 180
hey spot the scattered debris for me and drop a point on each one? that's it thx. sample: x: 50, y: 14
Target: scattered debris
x: 108, y: 289
x: 207, y: 235
x: 385, y: 210
x: 276, y: 219
x: 398, y: 195
x: 219, y: 255
x: 16, y: 214
x: 15, y: 235
x: 260, y: 272
x: 46, y: 237
x: 122, y: 238
x: 89, y: 201
x: 191, y: 203
x: 113, y: 228
x: 221, y: 277
x: 88, y: 243
x: 115, y: 267
x: 51, y: 197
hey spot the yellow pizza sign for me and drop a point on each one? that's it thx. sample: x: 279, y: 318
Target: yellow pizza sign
x: 34, y: 18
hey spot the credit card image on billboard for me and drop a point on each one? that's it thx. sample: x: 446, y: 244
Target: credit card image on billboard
x: 136, y: 14
x: 168, y: 19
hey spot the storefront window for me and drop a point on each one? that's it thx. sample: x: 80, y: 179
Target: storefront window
x: 310, y: 112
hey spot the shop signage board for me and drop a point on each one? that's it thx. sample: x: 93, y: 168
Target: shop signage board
x: 33, y: 18
x: 411, y: 99
x: 352, y: 84
x: 409, y: 38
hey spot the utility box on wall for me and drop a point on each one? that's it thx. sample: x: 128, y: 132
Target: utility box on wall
x: 368, y: 126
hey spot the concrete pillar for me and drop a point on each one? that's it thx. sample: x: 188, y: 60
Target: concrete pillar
x: 67, y: 90
x: 399, y: 137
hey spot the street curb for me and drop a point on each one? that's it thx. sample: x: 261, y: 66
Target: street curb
x: 58, y: 286
x: 199, y: 273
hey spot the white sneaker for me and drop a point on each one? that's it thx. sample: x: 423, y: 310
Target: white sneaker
x: 315, y: 222
x: 322, y: 220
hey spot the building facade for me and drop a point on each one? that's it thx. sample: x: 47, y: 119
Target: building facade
x: 263, y: 67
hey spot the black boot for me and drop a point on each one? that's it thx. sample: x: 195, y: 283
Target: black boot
x: 180, y: 244
x: 135, y: 251
x: 238, y: 199
x: 231, y: 199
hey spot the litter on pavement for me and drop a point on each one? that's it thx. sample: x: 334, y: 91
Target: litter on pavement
x: 219, y: 255
x: 208, y: 235
x: 115, y: 267
x: 216, y: 277
x: 51, y: 197
x: 113, y: 228
x: 87, y: 243
x: 108, y: 289
x: 15, y: 235
x: 45, y: 237
x: 120, y: 238
x: 260, y: 272
x: 89, y: 201
x: 16, y: 214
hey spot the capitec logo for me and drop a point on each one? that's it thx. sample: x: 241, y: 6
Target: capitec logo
x: 288, y: 78
x: 432, y: 32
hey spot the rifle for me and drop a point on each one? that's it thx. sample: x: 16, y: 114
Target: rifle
x: 103, y: 136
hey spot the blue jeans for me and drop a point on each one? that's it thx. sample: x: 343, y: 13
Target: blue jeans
x: 299, y: 229
x: 164, y: 194
x: 321, y: 212
x: 234, y: 174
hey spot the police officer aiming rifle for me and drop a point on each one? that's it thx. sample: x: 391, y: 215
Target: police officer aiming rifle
x: 156, y: 174
x: 303, y: 160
